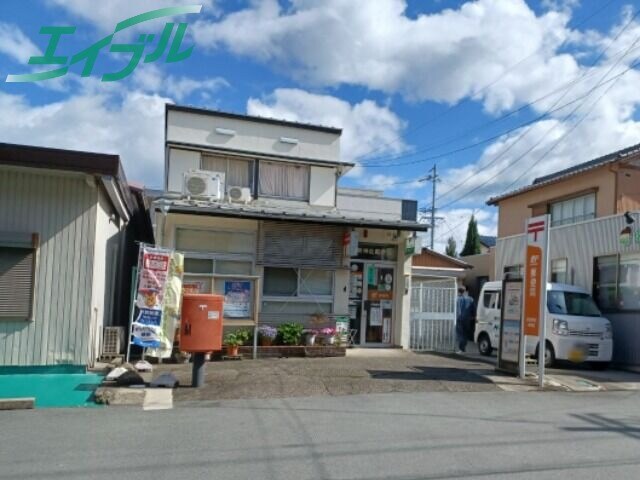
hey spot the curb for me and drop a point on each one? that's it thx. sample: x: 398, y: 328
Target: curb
x: 26, y: 403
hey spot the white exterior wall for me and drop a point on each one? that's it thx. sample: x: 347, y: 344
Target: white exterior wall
x: 106, y: 256
x: 580, y: 244
x: 251, y: 136
x: 367, y: 206
x: 181, y: 161
x: 61, y: 208
x: 322, y: 188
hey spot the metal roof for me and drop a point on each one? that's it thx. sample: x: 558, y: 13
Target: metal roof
x: 106, y: 166
x: 488, y: 240
x: 255, y: 118
x: 568, y: 172
x: 263, y: 212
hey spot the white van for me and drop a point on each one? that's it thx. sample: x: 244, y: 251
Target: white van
x: 576, y: 330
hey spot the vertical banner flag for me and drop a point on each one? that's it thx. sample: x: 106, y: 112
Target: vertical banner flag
x: 534, y: 281
x: 158, y: 300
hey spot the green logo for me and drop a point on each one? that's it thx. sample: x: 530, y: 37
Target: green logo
x: 90, y: 54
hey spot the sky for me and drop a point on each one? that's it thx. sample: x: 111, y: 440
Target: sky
x: 494, y: 93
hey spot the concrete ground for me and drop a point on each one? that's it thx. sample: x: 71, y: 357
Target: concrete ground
x: 361, y: 372
x: 395, y: 436
x: 572, y: 377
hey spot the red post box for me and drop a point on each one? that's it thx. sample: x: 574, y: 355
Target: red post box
x: 201, y: 323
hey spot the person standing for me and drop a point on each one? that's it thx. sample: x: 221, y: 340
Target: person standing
x: 464, y: 314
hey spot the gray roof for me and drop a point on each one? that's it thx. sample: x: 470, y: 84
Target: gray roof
x: 568, y: 172
x: 258, y: 212
x: 488, y: 240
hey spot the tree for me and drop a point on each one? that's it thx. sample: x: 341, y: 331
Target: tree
x: 451, y: 247
x: 472, y: 242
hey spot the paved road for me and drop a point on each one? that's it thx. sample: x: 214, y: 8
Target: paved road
x: 396, y: 436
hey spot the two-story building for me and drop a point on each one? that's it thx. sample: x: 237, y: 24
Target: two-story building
x: 594, y: 236
x: 248, y: 195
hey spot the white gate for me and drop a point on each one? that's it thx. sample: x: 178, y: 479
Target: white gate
x: 433, y: 315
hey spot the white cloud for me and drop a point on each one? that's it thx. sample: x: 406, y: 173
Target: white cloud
x: 153, y: 79
x: 366, y: 126
x: 15, y: 44
x: 444, y: 56
x: 131, y: 125
x: 106, y: 14
x: 454, y: 224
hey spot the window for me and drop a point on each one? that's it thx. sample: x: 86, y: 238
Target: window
x: 17, y: 267
x: 238, y: 172
x: 284, y: 180
x: 210, y: 252
x: 193, y: 240
x: 491, y: 300
x: 571, y: 303
x: 559, y: 271
x: 573, y: 210
x: 616, y: 282
x: 294, y: 282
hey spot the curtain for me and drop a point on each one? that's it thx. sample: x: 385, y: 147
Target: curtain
x: 284, y: 180
x: 237, y: 172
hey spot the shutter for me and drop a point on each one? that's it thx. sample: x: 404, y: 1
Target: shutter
x: 284, y: 244
x: 16, y: 282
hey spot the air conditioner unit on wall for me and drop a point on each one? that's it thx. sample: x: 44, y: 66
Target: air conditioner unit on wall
x: 239, y: 194
x: 203, y: 184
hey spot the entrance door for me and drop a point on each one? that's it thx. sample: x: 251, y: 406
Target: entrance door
x: 371, y: 301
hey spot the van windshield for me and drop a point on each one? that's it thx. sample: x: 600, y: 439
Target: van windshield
x: 571, y: 303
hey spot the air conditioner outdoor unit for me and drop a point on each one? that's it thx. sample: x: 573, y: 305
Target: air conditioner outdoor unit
x: 239, y: 194
x: 202, y: 184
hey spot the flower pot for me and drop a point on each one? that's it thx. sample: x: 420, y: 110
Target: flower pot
x: 232, y: 350
x: 266, y: 341
x: 310, y: 340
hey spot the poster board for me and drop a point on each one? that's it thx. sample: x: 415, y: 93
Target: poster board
x: 509, y: 344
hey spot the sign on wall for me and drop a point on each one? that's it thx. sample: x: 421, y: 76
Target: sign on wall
x: 237, y: 299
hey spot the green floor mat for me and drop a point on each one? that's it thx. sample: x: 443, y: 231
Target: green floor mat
x: 52, y: 389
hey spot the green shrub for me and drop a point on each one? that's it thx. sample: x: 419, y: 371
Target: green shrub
x: 239, y: 337
x: 290, y: 333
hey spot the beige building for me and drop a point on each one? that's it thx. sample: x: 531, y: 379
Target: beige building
x: 594, y: 236
x: 255, y: 196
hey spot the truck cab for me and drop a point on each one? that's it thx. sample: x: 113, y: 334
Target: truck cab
x: 575, y: 328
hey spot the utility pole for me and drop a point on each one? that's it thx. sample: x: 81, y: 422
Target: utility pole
x: 433, y: 178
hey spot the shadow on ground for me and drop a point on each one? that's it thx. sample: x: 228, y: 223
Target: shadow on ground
x: 422, y: 373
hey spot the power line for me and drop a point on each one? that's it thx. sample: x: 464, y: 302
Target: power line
x: 513, y: 162
x: 600, y: 83
x: 489, y: 85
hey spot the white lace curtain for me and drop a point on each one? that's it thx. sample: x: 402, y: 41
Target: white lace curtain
x: 284, y: 180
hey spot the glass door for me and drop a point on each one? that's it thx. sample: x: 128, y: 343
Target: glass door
x: 371, y: 301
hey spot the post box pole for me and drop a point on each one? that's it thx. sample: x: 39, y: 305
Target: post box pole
x: 197, y: 375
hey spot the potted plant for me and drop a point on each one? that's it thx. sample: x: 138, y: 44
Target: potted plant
x: 290, y: 333
x: 233, y: 340
x: 328, y: 335
x: 310, y: 336
x: 266, y: 335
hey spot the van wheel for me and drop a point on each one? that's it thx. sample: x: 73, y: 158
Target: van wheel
x: 549, y: 355
x: 484, y: 345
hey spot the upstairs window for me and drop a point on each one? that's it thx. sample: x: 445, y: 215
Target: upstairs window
x: 573, y: 210
x: 238, y: 172
x: 283, y: 180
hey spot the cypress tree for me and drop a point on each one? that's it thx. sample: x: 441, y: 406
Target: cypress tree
x: 472, y: 242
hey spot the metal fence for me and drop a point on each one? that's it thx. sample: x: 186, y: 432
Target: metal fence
x: 433, y: 315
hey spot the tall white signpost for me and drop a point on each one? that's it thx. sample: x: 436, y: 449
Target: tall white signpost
x: 535, y: 288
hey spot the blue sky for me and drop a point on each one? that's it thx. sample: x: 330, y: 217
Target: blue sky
x: 495, y: 92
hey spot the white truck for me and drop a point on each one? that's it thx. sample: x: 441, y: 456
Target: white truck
x: 576, y: 330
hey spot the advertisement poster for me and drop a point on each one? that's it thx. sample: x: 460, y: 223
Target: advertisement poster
x: 237, y: 299
x: 193, y: 286
x: 158, y: 300
x: 510, y: 324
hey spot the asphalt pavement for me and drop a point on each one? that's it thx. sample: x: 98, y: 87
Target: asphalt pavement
x: 395, y: 436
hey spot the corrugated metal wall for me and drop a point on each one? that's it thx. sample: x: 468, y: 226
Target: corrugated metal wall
x: 62, y: 211
x: 580, y: 244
